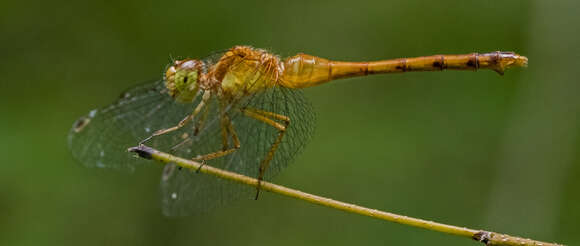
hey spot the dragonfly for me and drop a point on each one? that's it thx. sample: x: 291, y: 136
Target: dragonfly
x: 241, y: 110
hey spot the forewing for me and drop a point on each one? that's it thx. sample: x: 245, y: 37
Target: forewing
x: 101, y: 138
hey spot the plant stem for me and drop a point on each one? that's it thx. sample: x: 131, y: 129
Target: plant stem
x: 489, y: 238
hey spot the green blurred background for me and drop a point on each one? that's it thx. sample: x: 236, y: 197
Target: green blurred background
x: 464, y: 148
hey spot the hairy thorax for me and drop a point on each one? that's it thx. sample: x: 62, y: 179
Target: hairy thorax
x: 244, y: 71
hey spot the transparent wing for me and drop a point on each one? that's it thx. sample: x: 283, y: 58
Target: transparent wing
x: 213, y: 58
x: 185, y: 192
x: 101, y: 138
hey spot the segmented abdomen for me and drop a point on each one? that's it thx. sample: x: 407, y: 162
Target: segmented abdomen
x: 305, y: 70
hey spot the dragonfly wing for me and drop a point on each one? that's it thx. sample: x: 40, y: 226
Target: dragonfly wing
x: 258, y: 137
x: 185, y: 192
x: 101, y: 138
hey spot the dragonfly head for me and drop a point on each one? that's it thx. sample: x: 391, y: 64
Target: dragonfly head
x: 181, y: 79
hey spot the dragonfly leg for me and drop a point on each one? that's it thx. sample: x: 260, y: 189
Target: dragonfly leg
x: 227, y: 130
x: 200, y: 123
x: 225, y: 134
x: 200, y: 166
x: 200, y: 106
x: 266, y: 117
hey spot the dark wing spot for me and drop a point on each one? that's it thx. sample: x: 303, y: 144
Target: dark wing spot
x: 80, y: 124
x: 124, y: 95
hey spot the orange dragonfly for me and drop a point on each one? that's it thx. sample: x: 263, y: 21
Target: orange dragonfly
x: 239, y: 110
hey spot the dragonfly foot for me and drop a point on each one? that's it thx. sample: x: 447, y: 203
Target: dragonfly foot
x: 200, y: 166
x: 258, y: 189
x: 145, y: 140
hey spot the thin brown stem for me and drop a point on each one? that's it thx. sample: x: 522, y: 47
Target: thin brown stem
x: 486, y: 237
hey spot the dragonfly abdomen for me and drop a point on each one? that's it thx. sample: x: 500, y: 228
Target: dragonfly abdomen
x: 497, y: 61
x: 303, y: 70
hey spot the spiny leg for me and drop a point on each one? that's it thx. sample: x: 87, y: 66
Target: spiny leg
x: 284, y: 118
x: 201, y: 121
x: 227, y: 130
x: 224, y: 130
x: 204, y: 100
x: 265, y: 117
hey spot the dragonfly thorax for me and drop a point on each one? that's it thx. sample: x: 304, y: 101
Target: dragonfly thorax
x: 244, y: 70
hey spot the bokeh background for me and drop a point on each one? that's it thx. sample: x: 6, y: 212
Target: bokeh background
x: 466, y: 148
